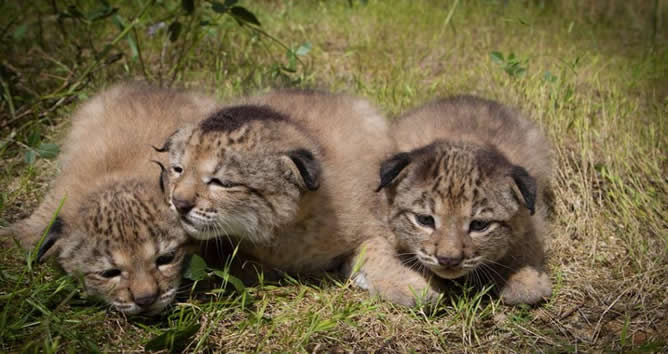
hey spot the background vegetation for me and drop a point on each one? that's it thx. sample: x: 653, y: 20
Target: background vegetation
x: 594, y: 74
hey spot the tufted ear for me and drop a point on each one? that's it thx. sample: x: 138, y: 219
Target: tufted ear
x: 165, y: 146
x: 390, y: 168
x: 308, y: 167
x: 163, y: 175
x: 526, y: 185
x: 52, y: 236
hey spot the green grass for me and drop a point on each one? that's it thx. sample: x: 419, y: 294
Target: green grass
x: 594, y: 74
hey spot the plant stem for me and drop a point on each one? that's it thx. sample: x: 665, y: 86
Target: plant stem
x: 97, y: 61
x: 147, y: 74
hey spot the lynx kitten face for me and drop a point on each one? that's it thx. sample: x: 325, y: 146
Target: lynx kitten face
x: 453, y: 205
x: 241, y: 173
x: 127, y: 254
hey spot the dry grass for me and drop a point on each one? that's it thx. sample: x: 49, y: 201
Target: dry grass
x: 596, y: 77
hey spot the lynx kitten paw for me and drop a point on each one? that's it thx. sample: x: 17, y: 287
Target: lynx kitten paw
x: 360, y: 281
x: 527, y: 286
x: 407, y: 292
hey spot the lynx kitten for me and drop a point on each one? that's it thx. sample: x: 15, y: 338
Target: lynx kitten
x: 466, y: 195
x: 115, y: 228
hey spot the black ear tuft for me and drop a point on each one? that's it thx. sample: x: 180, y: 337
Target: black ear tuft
x: 164, y: 148
x: 163, y: 174
x: 51, y: 237
x: 308, y: 166
x: 167, y: 144
x: 527, y: 186
x: 390, y: 168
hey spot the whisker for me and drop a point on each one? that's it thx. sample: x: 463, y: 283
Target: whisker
x: 407, y: 254
x: 491, y: 271
x: 497, y: 263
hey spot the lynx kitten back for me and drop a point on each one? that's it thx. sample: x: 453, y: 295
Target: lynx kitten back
x: 466, y: 194
x: 115, y: 228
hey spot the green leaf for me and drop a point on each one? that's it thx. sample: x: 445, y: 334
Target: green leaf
x: 132, y: 42
x: 34, y: 138
x: 236, y: 282
x: 47, y: 150
x: 324, y: 325
x: 121, y: 22
x: 29, y: 157
x: 196, y: 269
x: 174, y: 30
x: 172, y: 339
x: 221, y: 274
x: 303, y: 49
x: 20, y: 31
x: 188, y: 6
x: 497, y: 57
x: 244, y: 16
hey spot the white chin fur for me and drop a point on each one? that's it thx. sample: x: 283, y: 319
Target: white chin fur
x: 163, y: 301
x: 195, y: 233
x: 449, y: 274
x: 234, y: 227
x: 127, y: 308
x: 131, y: 308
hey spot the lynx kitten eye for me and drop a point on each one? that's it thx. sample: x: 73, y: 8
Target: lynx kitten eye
x: 177, y: 169
x: 425, y: 220
x: 478, y: 226
x: 165, y: 259
x: 224, y: 184
x: 111, y: 273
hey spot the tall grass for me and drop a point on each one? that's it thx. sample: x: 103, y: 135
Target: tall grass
x: 593, y: 74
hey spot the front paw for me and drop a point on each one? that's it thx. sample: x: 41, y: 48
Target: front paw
x: 413, y: 291
x: 526, y: 286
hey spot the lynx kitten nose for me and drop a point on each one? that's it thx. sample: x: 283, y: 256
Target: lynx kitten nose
x: 450, y: 261
x: 146, y: 300
x: 183, y: 206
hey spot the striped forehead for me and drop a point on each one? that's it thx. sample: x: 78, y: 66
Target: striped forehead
x: 124, y: 214
x: 449, y: 177
x: 203, y: 145
x: 453, y: 174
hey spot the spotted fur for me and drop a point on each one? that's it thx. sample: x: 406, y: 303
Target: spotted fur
x: 466, y: 194
x: 115, y: 228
